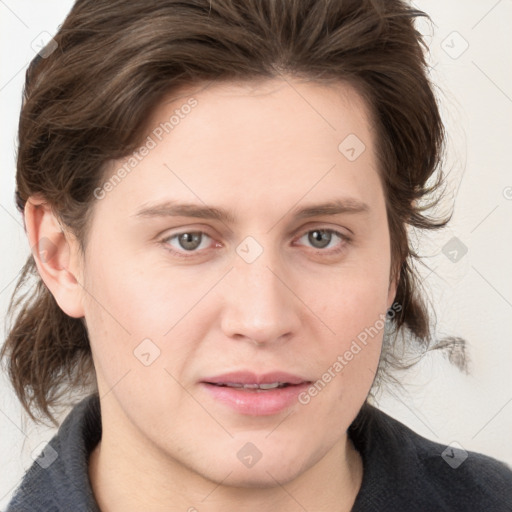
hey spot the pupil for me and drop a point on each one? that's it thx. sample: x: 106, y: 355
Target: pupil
x: 321, y: 236
x: 190, y: 241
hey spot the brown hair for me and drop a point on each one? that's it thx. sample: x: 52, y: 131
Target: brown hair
x: 87, y: 102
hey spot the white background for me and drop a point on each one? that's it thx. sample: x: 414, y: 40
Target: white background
x: 472, y: 297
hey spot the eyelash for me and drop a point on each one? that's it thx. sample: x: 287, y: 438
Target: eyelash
x: 345, y: 240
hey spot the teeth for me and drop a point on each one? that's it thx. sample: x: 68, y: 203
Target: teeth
x: 272, y: 385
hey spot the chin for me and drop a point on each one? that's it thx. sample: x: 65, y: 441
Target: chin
x: 267, y: 472
x: 266, y: 476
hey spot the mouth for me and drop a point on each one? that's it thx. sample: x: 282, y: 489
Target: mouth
x: 257, y: 395
x: 253, y: 387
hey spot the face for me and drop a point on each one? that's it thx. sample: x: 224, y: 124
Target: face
x: 183, y: 308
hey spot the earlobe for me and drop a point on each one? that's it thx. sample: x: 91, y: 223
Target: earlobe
x: 53, y: 249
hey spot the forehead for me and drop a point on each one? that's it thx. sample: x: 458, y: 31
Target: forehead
x: 231, y: 142
x: 318, y: 102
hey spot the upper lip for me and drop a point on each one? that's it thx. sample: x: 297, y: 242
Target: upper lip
x: 248, y: 377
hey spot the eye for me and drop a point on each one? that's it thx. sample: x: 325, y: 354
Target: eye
x: 188, y: 241
x: 192, y: 242
x: 321, y: 239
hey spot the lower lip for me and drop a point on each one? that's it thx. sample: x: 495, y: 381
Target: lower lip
x: 256, y: 402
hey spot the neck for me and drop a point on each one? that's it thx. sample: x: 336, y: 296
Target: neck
x: 129, y: 474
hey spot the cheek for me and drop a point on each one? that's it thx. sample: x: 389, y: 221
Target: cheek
x: 352, y: 300
x: 132, y: 299
x: 347, y: 361
x: 140, y: 321
x: 353, y: 307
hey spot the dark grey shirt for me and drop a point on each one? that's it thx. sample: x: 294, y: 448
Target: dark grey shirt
x: 402, y: 470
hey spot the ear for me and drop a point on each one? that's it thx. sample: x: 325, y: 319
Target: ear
x: 55, y: 252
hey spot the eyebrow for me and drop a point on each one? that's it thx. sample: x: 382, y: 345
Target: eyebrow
x: 177, y: 209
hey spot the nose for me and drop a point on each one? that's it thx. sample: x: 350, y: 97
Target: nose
x: 259, y: 304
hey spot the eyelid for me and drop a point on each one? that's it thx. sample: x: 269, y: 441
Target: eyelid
x: 341, y: 231
x: 204, y: 230
x: 318, y: 226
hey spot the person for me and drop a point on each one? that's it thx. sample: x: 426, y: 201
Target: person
x: 217, y: 196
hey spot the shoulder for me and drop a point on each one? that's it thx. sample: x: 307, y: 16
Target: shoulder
x: 58, y: 479
x: 404, y: 469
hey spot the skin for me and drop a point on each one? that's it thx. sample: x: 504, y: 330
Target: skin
x: 260, y: 150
